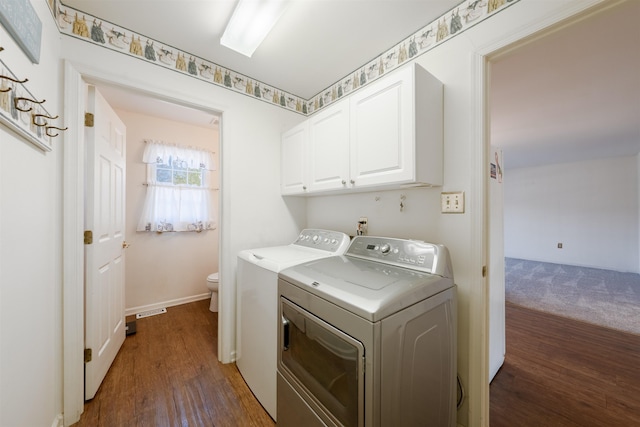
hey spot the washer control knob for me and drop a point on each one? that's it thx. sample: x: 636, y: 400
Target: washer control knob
x: 316, y: 239
x: 385, y: 248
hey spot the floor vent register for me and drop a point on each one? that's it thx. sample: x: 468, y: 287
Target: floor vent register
x: 151, y: 312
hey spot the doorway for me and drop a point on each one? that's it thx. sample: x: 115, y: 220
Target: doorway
x: 75, y: 79
x: 165, y: 269
x: 569, y: 118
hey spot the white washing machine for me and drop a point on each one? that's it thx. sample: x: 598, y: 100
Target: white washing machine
x: 257, y: 320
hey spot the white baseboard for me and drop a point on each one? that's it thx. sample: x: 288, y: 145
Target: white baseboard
x: 170, y: 303
x: 58, y: 421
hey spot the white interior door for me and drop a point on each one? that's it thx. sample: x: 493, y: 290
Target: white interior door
x: 497, y: 327
x: 104, y: 257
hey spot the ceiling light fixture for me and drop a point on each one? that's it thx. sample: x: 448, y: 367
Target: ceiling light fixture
x: 250, y: 23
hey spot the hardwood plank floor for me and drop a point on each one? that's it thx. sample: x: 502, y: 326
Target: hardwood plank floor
x: 562, y: 372
x: 558, y: 372
x: 168, y: 374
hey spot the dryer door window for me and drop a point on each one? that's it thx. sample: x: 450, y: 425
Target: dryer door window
x: 324, y: 361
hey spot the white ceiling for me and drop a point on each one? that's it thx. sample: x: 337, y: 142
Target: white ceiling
x: 573, y: 94
x: 346, y: 34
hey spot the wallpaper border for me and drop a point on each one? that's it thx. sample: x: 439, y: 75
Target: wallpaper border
x: 92, y: 29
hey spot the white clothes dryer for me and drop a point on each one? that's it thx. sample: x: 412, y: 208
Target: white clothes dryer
x: 369, y: 338
x: 257, y: 305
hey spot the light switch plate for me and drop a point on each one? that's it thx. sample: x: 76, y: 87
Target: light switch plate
x: 452, y: 202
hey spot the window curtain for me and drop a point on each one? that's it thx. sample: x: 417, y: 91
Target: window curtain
x: 171, y: 207
x: 158, y: 152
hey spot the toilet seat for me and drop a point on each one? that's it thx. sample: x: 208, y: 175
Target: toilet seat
x: 213, y: 277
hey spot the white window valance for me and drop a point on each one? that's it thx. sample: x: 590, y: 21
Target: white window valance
x: 178, y: 197
x: 160, y: 152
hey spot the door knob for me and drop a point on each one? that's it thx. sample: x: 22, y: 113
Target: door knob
x: 125, y: 245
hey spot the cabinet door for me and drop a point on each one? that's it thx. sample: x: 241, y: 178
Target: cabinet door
x: 382, y: 132
x: 329, y: 148
x: 293, y: 160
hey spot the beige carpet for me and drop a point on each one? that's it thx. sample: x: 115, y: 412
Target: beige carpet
x: 603, y: 297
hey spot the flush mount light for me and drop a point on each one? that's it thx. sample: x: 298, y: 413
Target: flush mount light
x: 250, y: 23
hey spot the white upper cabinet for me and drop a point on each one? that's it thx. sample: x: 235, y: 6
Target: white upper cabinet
x: 386, y: 135
x: 328, y: 161
x: 293, y: 174
x: 396, y: 131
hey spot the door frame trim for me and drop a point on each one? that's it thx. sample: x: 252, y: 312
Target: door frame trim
x: 73, y: 297
x: 478, y: 387
x: 73, y: 247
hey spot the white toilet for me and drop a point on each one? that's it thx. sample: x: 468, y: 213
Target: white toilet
x: 212, y: 284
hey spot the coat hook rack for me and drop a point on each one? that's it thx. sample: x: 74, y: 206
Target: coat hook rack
x: 35, y: 117
x: 47, y: 128
x: 13, y: 80
x: 24, y: 100
x: 23, y: 112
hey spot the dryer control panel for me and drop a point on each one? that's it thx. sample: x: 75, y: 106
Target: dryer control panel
x: 418, y: 255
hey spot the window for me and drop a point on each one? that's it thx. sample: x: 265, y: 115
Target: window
x: 176, y: 171
x: 178, y: 195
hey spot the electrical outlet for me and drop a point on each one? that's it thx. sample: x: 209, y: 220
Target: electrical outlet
x: 363, y: 224
x: 452, y: 202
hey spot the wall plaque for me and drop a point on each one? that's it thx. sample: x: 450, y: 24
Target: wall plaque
x: 22, y: 22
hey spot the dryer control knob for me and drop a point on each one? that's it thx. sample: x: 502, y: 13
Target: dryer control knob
x: 384, y: 249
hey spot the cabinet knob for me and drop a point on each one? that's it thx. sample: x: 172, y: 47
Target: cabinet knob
x: 344, y: 182
x: 304, y: 187
x: 353, y: 181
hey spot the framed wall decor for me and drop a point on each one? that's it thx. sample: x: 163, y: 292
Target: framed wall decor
x: 22, y: 22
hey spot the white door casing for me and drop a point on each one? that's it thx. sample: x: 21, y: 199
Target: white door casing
x: 105, y: 326
x: 75, y: 74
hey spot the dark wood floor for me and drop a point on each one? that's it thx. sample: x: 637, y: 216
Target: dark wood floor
x: 558, y: 372
x: 168, y: 374
x: 561, y: 372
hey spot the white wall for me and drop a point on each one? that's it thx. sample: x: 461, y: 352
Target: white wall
x: 170, y: 268
x: 590, y: 207
x: 30, y: 249
x: 252, y: 212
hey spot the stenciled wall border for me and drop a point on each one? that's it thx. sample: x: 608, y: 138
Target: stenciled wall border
x: 78, y: 24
